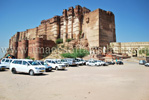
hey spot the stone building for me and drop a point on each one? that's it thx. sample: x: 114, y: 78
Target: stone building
x: 97, y: 27
x: 133, y: 49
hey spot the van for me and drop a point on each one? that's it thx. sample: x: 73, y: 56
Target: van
x: 6, y: 62
x: 26, y: 66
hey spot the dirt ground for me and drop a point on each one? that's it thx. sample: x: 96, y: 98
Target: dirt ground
x: 124, y: 82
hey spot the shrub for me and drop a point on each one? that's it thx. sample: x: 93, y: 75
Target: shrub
x: 76, y: 53
x: 58, y: 41
x: 68, y: 55
x: 33, y: 58
x: 30, y: 58
x: 81, y: 52
x: 27, y: 57
x: 62, y: 46
x: 68, y: 40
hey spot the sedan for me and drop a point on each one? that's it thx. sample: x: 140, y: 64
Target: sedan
x: 119, y: 63
x: 147, y: 64
x: 48, y: 68
x: 92, y: 63
x: 111, y: 63
x: 2, y: 67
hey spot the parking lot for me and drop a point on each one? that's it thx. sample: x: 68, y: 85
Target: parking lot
x: 114, y: 82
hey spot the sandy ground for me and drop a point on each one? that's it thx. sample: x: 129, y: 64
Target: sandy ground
x: 125, y: 82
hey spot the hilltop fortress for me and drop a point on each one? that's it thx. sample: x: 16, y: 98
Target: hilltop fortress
x: 97, y: 27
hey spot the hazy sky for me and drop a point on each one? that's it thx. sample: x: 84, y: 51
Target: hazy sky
x: 131, y: 16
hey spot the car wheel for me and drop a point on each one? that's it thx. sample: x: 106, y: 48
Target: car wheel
x: 31, y: 72
x: 14, y: 71
x: 50, y: 69
x: 56, y: 68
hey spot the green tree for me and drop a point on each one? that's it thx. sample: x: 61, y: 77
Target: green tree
x: 58, y: 41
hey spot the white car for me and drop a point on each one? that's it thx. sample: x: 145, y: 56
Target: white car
x: 92, y: 63
x: 81, y: 61
x: 6, y: 62
x: 71, y: 61
x: 78, y: 62
x: 101, y: 62
x: 55, y: 64
x: 63, y: 62
x: 147, y: 64
x: 2, y: 67
x: 26, y: 66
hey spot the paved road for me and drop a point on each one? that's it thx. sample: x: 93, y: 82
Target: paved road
x: 126, y: 82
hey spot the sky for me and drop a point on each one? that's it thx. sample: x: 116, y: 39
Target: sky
x: 131, y: 16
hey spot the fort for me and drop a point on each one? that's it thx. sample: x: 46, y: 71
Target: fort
x: 96, y: 27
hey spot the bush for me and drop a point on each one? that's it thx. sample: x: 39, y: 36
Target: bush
x: 76, y: 53
x: 81, y: 52
x: 58, y: 41
x: 30, y: 58
x: 62, y: 46
x: 68, y: 55
x: 33, y: 58
x: 27, y: 57
x: 68, y: 40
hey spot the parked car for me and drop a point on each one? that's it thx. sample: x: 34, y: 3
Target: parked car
x: 102, y: 63
x: 6, y: 62
x: 92, y: 63
x: 82, y: 62
x: 48, y: 67
x: 119, y: 63
x: 111, y: 62
x: 55, y: 64
x: 71, y: 61
x: 142, y: 62
x: 63, y: 62
x: 2, y: 67
x: 147, y: 64
x: 26, y: 66
x: 78, y: 62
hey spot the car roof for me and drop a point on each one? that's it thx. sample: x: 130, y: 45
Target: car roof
x: 7, y: 58
x: 24, y: 59
x: 37, y: 60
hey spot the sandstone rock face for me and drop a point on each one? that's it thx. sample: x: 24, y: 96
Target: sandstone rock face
x: 96, y: 28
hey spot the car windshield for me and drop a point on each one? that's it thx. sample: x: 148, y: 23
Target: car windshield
x: 48, y: 61
x: 63, y: 61
x: 58, y: 62
x: 33, y: 63
x: 42, y: 63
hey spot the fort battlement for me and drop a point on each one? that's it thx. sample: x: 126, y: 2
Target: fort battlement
x: 97, y: 26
